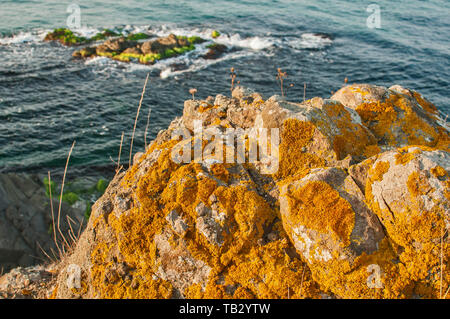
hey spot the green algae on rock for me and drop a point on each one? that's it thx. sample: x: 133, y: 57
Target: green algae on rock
x: 69, y: 38
x: 131, y: 48
x: 65, y: 37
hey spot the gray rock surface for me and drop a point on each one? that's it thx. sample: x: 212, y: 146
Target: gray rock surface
x: 26, y: 221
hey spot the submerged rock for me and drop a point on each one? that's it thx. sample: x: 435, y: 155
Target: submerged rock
x: 215, y: 51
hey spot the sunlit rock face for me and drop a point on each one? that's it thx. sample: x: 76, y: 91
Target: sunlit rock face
x: 356, y: 208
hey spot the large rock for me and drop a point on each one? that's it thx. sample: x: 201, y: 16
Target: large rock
x: 115, y: 46
x: 159, y: 46
x: 339, y: 218
x: 327, y: 218
x: 409, y: 191
x: 329, y: 223
x: 396, y: 116
x: 185, y: 231
x: 316, y: 133
x: 410, y: 187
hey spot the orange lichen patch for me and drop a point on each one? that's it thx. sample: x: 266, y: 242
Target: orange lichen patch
x: 369, y: 276
x: 293, y: 158
x: 419, y: 235
x: 403, y: 156
x: 439, y: 171
x: 261, y: 272
x: 406, y: 154
x: 221, y: 172
x: 207, y: 107
x: 371, y: 150
x: 425, y: 104
x: 395, y: 121
x: 107, y: 281
x: 318, y: 206
x: 54, y: 293
x: 216, y: 121
x: 379, y: 118
x: 417, y: 185
x: 376, y: 174
x: 353, y: 139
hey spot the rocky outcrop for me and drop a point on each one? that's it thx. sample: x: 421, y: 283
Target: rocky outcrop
x: 68, y: 38
x: 143, y: 48
x: 130, y: 48
x: 396, y: 116
x: 342, y: 210
x: 35, y: 282
x: 26, y: 233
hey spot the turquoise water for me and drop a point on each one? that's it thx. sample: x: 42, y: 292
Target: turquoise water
x: 47, y: 99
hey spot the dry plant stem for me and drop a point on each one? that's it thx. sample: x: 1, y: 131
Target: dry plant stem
x: 442, y: 252
x: 445, y: 296
x: 62, y: 192
x: 43, y: 251
x: 79, y: 228
x: 135, y: 121
x: 120, y: 152
x: 304, y: 92
x: 146, y: 127
x: 442, y: 264
x: 280, y: 76
x: 71, y: 232
x: 233, y: 78
x: 301, y: 282
x: 53, y: 214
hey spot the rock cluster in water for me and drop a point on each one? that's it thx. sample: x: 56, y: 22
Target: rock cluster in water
x: 357, y: 208
x: 136, y: 47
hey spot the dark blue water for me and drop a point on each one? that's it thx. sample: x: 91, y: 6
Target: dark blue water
x: 48, y: 100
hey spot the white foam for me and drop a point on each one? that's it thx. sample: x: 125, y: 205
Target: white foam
x: 24, y: 37
x: 235, y: 40
x: 254, y: 43
x: 86, y: 32
x: 309, y: 41
x: 200, y: 64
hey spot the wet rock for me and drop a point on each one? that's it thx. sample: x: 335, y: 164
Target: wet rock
x: 215, y: 51
x: 114, y: 46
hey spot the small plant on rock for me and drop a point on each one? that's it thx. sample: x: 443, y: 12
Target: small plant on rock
x: 280, y: 77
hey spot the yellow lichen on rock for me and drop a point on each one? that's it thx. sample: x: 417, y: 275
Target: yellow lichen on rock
x: 294, y: 159
x: 353, y: 211
x: 318, y: 206
x: 396, y: 116
x: 410, y: 200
